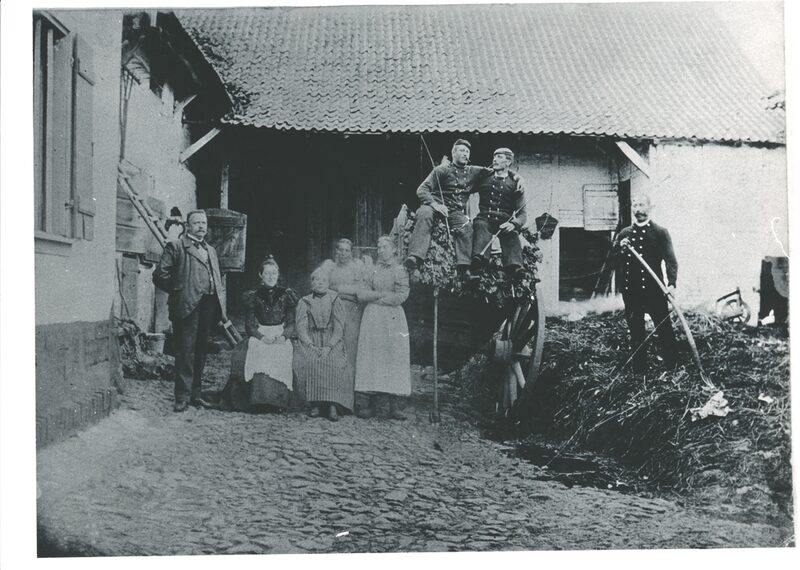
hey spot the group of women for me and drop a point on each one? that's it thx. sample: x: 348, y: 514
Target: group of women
x: 349, y: 334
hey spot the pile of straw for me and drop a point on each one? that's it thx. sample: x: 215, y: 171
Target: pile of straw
x: 584, y: 398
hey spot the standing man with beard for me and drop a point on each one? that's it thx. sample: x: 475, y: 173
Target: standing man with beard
x: 639, y: 292
x: 189, y: 271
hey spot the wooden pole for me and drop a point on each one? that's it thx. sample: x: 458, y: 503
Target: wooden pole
x: 684, y: 322
x: 434, y: 417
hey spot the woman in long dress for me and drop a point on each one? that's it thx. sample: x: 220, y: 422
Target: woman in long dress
x: 346, y: 278
x: 322, y: 372
x: 261, y: 367
x: 383, y: 363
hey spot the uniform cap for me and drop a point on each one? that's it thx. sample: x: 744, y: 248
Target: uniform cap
x: 505, y: 151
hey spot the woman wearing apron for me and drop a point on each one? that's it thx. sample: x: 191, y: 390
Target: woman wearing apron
x: 261, y: 367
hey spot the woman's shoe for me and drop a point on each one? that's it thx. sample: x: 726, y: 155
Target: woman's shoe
x: 397, y: 415
x: 366, y: 413
x: 314, y: 412
x: 369, y: 411
x: 394, y: 412
x: 332, y: 414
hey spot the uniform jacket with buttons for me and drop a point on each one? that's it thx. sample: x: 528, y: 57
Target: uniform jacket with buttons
x: 500, y: 198
x: 654, y: 244
x: 456, y: 185
x: 184, y: 273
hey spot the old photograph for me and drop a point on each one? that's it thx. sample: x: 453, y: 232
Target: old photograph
x: 410, y: 278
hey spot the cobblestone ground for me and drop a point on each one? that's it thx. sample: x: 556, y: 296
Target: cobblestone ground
x: 148, y: 481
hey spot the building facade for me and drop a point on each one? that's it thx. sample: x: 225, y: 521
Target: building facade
x: 76, y: 138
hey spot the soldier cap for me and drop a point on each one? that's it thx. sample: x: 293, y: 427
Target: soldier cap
x: 463, y: 142
x: 505, y: 151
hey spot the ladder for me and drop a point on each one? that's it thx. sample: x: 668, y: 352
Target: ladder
x: 153, y: 223
x: 150, y: 219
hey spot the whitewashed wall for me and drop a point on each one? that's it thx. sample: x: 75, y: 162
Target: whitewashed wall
x: 155, y: 138
x: 726, y: 208
x: 553, y: 184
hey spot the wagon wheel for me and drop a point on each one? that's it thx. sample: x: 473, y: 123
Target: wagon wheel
x: 517, y: 348
x: 735, y: 311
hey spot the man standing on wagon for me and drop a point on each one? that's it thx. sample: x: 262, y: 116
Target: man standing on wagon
x: 502, y: 212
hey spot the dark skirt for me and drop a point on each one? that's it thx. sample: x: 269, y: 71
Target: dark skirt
x: 262, y: 393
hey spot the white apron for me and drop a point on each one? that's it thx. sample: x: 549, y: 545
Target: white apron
x: 274, y: 360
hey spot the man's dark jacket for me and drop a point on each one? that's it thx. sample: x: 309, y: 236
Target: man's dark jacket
x: 654, y: 244
x: 182, y: 273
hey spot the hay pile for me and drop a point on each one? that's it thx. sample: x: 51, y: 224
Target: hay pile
x: 646, y: 420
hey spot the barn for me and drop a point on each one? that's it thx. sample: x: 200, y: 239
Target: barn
x: 333, y: 109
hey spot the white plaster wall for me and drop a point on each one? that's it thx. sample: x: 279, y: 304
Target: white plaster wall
x: 554, y: 182
x: 155, y: 138
x: 80, y: 285
x: 726, y: 208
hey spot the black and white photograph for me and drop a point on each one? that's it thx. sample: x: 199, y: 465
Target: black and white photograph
x: 410, y: 278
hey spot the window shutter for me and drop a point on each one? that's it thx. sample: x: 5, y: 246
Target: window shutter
x: 83, y: 171
x: 600, y: 207
x: 60, y: 137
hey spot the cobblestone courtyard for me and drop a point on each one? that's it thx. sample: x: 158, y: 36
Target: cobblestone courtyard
x: 149, y: 481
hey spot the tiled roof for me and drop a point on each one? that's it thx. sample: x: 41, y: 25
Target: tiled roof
x: 622, y: 70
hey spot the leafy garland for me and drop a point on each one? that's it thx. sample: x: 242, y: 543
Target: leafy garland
x: 492, y: 286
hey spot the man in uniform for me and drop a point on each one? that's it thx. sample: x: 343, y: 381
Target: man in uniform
x: 445, y: 193
x: 639, y: 291
x: 189, y: 271
x: 501, y: 209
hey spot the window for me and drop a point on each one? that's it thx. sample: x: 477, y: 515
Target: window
x: 63, y: 85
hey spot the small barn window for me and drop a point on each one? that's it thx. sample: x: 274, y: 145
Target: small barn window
x: 63, y: 139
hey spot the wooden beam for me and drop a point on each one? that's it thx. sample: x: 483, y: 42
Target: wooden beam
x: 199, y: 143
x: 635, y: 158
x: 224, y: 181
x: 182, y: 104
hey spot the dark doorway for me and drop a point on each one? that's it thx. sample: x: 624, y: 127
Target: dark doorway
x: 581, y: 257
x: 624, y: 193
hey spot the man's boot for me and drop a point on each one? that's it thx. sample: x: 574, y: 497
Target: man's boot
x: 464, y: 273
x: 412, y: 264
x: 512, y: 271
x: 394, y: 412
x: 369, y: 411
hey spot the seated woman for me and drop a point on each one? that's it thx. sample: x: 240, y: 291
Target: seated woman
x: 383, y: 363
x: 261, y: 367
x: 323, y: 377
x: 346, y: 276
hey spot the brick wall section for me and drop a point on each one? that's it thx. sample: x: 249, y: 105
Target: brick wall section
x: 55, y: 425
x: 78, y: 376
